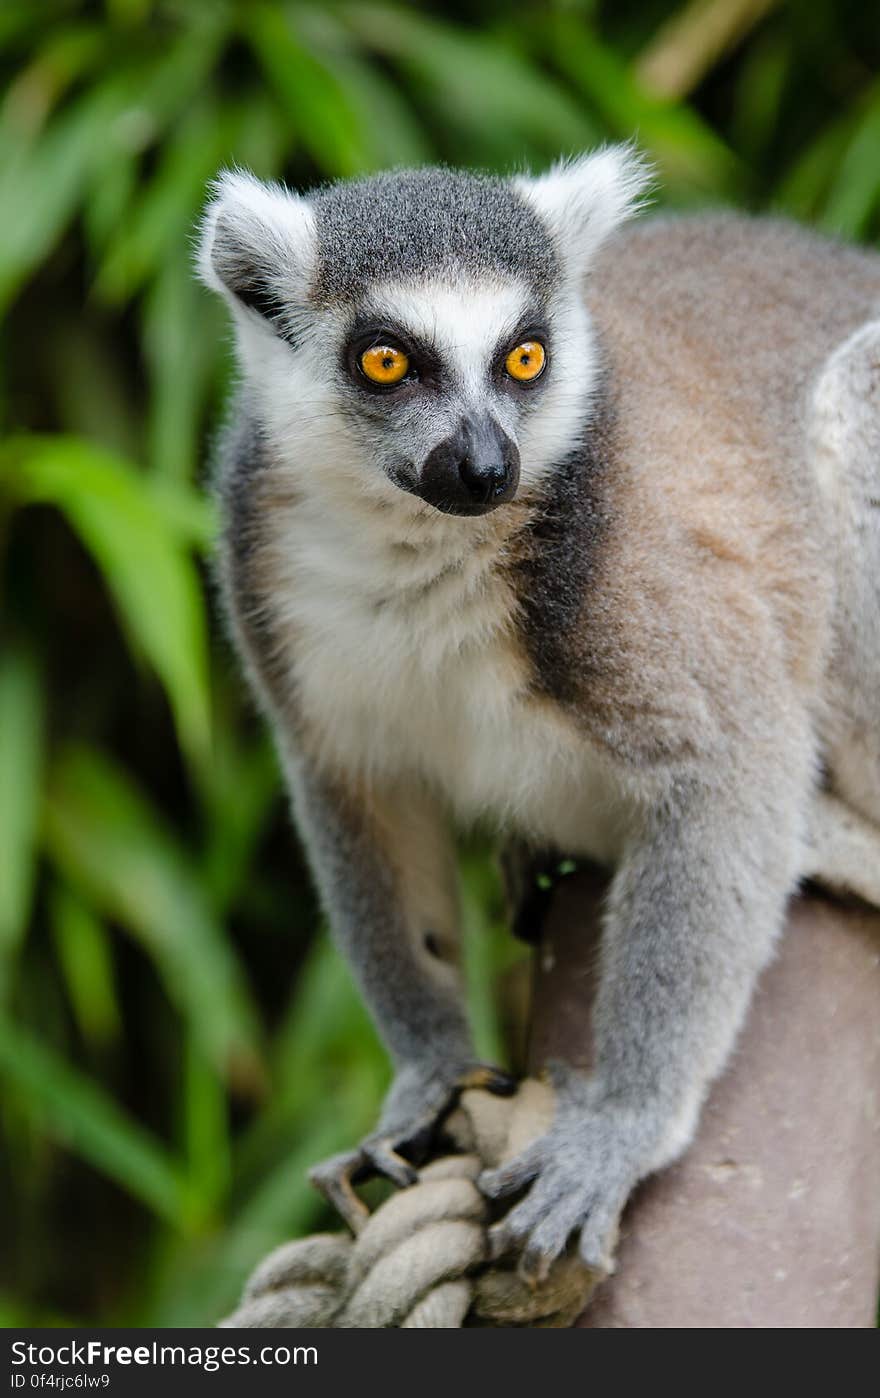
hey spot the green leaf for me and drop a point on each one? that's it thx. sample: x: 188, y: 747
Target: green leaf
x: 325, y: 1043
x: 261, y: 139
x: 182, y: 328
x: 389, y: 127
x: 205, y: 1128
x: 760, y: 91
x: 86, y: 961
x: 145, y: 564
x: 91, y: 386
x: 855, y: 191
x: 109, y: 198
x: 315, y: 101
x: 326, y: 1026
x: 687, y: 149
x: 118, y: 853
x: 16, y: 17
x: 486, y: 102
x: 22, y: 742
x: 205, y: 1283
x: 189, y: 515
x: 486, y: 947
x: 82, y: 1117
x: 243, y: 789
x: 800, y: 192
x: 157, y: 88
x: 161, y: 221
x: 42, y: 183
x: 68, y: 53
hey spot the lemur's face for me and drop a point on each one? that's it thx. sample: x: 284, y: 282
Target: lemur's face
x: 438, y: 382
x: 420, y: 332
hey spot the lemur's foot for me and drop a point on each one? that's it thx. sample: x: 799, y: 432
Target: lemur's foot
x: 336, y: 1177
x: 414, y: 1109
x: 580, y: 1174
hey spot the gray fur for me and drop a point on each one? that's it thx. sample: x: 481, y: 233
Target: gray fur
x: 243, y: 466
x: 560, y: 553
x: 413, y: 223
x: 359, y: 885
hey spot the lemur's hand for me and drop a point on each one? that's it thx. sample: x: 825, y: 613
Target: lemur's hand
x: 580, y: 1173
x: 418, y: 1101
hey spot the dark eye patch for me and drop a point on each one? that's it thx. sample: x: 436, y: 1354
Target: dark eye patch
x: 368, y: 333
x: 531, y: 327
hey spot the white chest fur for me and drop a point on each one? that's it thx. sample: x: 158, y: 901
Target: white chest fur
x: 402, y: 642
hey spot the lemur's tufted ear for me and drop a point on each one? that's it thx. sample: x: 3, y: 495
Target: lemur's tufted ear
x: 583, y: 200
x: 256, y: 247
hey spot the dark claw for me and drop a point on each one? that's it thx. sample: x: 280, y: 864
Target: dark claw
x: 385, y: 1156
x: 418, y: 1143
x: 337, y: 1177
x: 387, y: 1162
x: 490, y: 1079
x: 334, y: 1180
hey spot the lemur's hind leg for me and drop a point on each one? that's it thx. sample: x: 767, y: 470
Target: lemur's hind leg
x: 843, y: 850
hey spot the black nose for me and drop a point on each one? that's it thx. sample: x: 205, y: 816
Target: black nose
x: 471, y: 472
x: 484, y: 481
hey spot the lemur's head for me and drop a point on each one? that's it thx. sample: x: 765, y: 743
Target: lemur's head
x: 420, y: 331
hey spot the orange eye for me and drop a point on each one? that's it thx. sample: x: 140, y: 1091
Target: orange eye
x: 383, y: 364
x: 527, y: 361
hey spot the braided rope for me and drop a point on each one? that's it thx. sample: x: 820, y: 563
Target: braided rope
x: 420, y: 1260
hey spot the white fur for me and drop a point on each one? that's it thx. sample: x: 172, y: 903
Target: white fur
x: 300, y: 404
x: 277, y: 226
x: 402, y: 645
x: 403, y: 665
x: 584, y: 200
x: 404, y: 661
x: 467, y: 322
x: 403, y: 654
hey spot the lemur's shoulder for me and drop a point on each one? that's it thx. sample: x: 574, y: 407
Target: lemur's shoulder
x: 728, y: 247
x: 727, y: 308
x: 681, y: 543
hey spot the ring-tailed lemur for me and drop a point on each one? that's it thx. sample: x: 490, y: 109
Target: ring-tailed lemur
x: 580, y: 533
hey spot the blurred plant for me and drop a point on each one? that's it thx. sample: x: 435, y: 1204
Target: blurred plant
x: 162, y: 1087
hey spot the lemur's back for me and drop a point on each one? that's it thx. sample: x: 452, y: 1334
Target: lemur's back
x: 745, y: 309
x: 735, y: 336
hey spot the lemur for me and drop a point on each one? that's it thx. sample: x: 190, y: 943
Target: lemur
x: 533, y: 518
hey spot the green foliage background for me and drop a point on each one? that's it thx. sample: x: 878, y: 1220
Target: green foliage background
x: 176, y: 1041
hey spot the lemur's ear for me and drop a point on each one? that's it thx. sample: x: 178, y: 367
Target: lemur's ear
x: 583, y: 200
x: 256, y: 247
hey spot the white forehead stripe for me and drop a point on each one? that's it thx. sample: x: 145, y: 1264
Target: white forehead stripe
x: 465, y: 323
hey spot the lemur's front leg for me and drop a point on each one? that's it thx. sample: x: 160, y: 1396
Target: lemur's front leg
x: 384, y: 863
x: 693, y: 912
